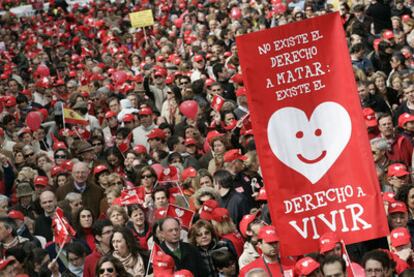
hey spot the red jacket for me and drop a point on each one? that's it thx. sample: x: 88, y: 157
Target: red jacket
x: 90, y: 264
x: 237, y: 241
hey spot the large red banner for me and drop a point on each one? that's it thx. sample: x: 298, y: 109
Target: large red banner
x: 311, y: 139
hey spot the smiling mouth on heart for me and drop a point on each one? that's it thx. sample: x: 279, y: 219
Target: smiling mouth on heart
x: 305, y: 160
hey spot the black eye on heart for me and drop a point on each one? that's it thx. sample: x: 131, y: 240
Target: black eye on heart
x: 299, y: 134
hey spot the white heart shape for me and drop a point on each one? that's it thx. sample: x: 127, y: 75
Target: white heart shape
x: 309, y: 147
x: 305, y: 263
x: 179, y: 212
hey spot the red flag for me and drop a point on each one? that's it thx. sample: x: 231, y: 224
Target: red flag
x: 217, y: 102
x: 310, y: 135
x: 125, y: 144
x: 131, y: 197
x: 183, y: 215
x: 62, y: 230
x: 155, y: 249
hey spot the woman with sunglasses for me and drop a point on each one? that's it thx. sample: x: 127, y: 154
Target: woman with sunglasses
x: 125, y: 248
x: 147, y: 178
x: 203, y: 236
x: 60, y: 156
x: 109, y: 266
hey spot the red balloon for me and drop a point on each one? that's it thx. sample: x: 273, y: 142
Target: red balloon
x: 235, y: 13
x: 120, y: 77
x: 33, y: 120
x: 42, y: 71
x: 189, y: 108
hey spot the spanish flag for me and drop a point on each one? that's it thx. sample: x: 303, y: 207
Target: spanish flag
x: 72, y: 117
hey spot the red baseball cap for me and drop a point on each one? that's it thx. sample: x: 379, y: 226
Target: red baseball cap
x: 241, y: 91
x: 209, y: 82
x: 211, y: 135
x: 397, y: 207
x: 140, y: 149
x: 198, y: 58
x: 404, y: 118
x: 268, y: 234
x: 56, y: 170
x: 207, y: 209
x: 220, y: 214
x: 128, y: 118
x: 189, y: 172
x: 110, y: 114
x: 163, y: 263
x: 244, y: 223
x: 100, y: 168
x: 190, y: 141
x: 14, y: 214
x: 397, y: 170
x: 369, y: 116
x: 145, y: 111
x: 59, y: 145
x: 232, y: 155
x: 327, y: 242
x: 156, y: 133
x: 183, y: 273
x: 388, y: 34
x: 41, y: 181
x: 400, y: 236
x: 5, y: 263
x: 306, y: 266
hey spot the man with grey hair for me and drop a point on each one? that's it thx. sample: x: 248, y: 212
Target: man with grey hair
x: 379, y: 148
x: 4, y: 205
x: 74, y: 199
x: 91, y: 193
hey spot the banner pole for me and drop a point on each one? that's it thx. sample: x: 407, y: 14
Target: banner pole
x: 145, y: 35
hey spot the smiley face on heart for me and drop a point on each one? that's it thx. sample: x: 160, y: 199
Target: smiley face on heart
x: 309, y: 146
x: 179, y: 212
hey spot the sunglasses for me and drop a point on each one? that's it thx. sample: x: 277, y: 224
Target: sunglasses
x: 103, y: 270
x: 97, y: 144
x: 29, y: 155
x: 60, y: 156
x: 146, y: 176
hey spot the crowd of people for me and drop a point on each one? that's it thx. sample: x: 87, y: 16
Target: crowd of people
x: 122, y: 130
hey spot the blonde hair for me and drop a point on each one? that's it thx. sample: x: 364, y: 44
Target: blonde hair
x: 224, y: 228
x: 119, y: 209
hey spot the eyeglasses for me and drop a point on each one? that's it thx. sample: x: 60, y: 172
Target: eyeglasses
x: 29, y: 155
x: 146, y: 176
x: 109, y: 269
x: 60, y: 156
x: 97, y: 144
